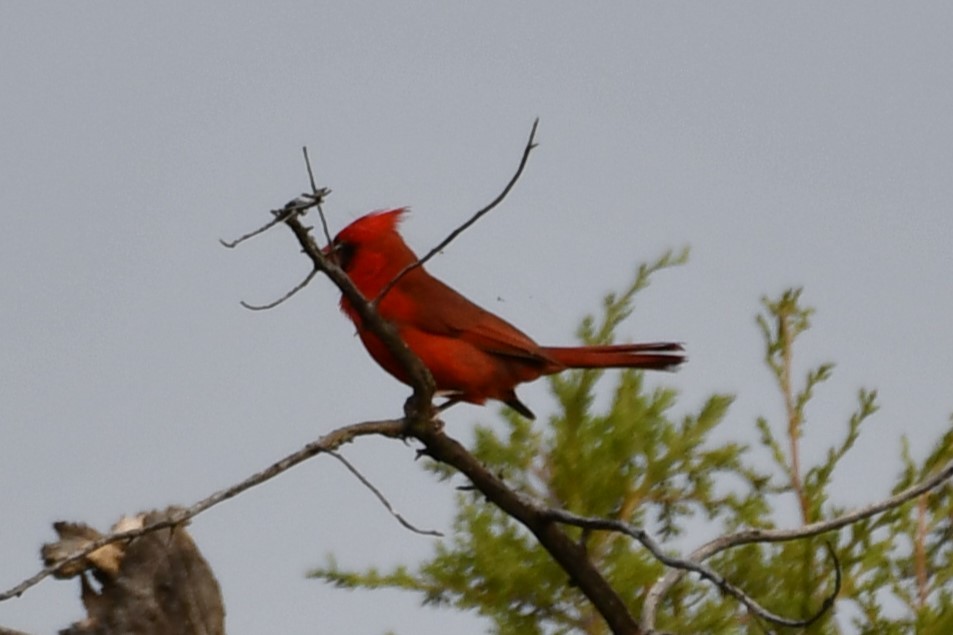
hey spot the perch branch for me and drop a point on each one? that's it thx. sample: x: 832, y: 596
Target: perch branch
x: 420, y: 423
x: 327, y: 443
x: 570, y: 555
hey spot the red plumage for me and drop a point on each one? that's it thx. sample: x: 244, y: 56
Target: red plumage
x: 472, y: 354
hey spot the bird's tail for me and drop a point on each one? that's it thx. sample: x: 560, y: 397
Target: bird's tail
x: 650, y: 356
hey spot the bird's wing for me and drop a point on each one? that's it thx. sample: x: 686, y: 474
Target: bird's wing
x: 440, y: 310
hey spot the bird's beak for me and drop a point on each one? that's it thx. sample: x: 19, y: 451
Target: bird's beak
x: 331, y: 253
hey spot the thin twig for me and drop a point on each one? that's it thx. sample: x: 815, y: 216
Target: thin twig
x: 748, y: 536
x: 292, y: 208
x: 280, y: 216
x: 390, y: 428
x: 298, y: 287
x: 319, y: 198
x: 383, y: 499
x: 530, y: 144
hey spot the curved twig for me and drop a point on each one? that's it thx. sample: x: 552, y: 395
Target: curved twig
x: 298, y: 287
x: 530, y: 144
x: 383, y: 499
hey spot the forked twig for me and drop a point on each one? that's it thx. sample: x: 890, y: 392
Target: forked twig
x: 280, y: 216
x: 293, y: 208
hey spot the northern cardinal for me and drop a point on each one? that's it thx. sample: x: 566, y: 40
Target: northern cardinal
x: 472, y: 354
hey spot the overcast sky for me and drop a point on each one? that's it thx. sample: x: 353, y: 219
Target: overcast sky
x: 805, y: 143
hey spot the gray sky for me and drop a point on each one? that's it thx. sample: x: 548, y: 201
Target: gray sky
x: 808, y: 143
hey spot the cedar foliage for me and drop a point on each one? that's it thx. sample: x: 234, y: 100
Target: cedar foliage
x: 636, y: 460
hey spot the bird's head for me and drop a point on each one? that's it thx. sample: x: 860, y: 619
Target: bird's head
x: 371, y: 251
x: 375, y: 232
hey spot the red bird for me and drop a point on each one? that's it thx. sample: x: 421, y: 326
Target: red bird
x: 472, y: 354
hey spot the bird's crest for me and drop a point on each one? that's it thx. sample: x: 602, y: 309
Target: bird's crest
x: 372, y: 225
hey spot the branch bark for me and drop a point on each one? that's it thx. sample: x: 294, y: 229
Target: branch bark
x: 158, y: 584
x: 570, y: 555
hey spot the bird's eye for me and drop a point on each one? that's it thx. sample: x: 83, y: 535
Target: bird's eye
x: 343, y: 254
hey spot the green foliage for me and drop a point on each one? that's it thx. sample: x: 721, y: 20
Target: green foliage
x: 637, y: 460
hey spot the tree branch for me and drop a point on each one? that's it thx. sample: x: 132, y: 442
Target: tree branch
x: 567, y: 553
x: 297, y: 206
x: 421, y: 423
x: 327, y: 443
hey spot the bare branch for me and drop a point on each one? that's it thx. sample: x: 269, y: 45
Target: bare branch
x: 280, y: 215
x: 421, y: 423
x: 383, y: 500
x: 327, y: 443
x: 294, y: 207
x: 530, y: 144
x: 298, y: 287
x: 749, y: 536
x: 319, y: 198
